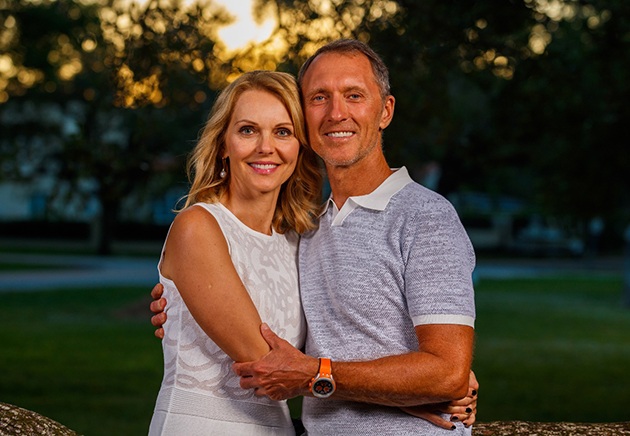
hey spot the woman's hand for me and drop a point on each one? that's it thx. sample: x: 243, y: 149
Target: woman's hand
x: 464, y: 410
x: 157, y: 307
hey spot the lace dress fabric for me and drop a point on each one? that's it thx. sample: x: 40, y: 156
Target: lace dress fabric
x: 200, y: 395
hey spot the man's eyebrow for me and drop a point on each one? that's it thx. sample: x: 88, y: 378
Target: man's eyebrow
x: 351, y: 88
x: 354, y: 88
x: 316, y: 91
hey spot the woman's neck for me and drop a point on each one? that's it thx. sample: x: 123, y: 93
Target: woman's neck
x: 256, y: 213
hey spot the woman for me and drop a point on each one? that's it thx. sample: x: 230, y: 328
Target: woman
x: 229, y: 261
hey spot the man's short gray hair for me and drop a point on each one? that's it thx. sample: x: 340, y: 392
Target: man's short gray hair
x: 381, y: 73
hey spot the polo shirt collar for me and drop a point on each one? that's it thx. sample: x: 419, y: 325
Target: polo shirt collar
x: 380, y: 197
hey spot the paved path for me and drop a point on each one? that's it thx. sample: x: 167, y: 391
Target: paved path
x: 524, y: 267
x: 97, y: 271
x: 76, y: 272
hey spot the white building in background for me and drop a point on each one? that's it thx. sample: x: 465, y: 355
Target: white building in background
x: 42, y: 196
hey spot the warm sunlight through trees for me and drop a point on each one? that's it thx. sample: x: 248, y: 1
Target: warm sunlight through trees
x: 103, y: 98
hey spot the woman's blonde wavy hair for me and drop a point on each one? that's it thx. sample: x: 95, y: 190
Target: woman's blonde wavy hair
x: 300, y: 196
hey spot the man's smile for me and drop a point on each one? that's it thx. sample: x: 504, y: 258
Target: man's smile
x: 339, y: 134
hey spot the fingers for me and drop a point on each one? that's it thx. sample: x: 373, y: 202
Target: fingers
x: 464, y: 410
x: 269, y: 336
x: 275, y: 394
x: 469, y: 401
x: 466, y: 401
x: 243, y: 370
x: 468, y: 419
x: 465, y: 414
x: 462, y: 413
x: 158, y: 320
x: 157, y: 291
x: 433, y: 417
x: 157, y: 306
x: 248, y: 383
x: 472, y: 381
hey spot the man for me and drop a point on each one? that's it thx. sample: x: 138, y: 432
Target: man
x: 386, y: 280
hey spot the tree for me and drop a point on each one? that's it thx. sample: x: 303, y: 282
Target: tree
x: 524, y: 98
x: 572, y: 119
x: 521, y: 97
x: 98, y: 96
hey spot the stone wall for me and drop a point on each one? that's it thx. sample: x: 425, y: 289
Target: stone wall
x: 17, y: 421
x: 509, y: 428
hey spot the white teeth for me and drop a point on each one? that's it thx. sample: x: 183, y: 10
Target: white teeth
x: 264, y: 166
x: 340, y: 134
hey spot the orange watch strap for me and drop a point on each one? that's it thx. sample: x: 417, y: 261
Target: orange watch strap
x: 325, y: 366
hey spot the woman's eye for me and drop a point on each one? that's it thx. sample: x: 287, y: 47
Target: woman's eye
x: 247, y: 130
x: 284, y: 132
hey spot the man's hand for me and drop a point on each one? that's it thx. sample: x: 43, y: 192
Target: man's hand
x: 157, y: 307
x: 283, y: 373
x: 464, y: 410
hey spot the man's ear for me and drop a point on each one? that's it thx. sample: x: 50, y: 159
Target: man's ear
x: 388, y: 112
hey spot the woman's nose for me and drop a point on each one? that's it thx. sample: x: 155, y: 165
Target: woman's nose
x: 265, y: 144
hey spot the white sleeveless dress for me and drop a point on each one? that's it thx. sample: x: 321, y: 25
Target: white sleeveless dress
x: 200, y: 394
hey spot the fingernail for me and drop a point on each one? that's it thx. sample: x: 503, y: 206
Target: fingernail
x: 454, y: 418
x: 474, y: 392
x: 468, y: 410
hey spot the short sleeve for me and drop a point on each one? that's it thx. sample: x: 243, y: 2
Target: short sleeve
x: 439, y: 264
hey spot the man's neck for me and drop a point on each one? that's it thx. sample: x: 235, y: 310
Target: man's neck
x: 358, y: 179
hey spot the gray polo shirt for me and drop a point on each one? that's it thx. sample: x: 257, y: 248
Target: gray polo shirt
x: 386, y: 262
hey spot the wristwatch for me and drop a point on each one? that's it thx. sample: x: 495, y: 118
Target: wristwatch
x: 323, y: 384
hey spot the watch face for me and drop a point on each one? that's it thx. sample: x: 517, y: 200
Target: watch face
x: 323, y: 387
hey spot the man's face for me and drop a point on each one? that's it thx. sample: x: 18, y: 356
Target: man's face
x: 343, y: 108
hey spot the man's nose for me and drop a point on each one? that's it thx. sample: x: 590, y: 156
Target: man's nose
x: 338, y: 109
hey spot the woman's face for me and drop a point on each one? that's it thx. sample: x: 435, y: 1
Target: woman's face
x: 261, y: 145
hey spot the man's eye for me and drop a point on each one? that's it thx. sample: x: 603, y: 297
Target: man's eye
x: 354, y: 96
x: 318, y: 98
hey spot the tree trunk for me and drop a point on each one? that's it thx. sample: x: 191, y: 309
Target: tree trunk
x: 107, y: 227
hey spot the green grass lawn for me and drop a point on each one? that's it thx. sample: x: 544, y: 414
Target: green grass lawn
x: 553, y: 350
x: 547, y: 350
x: 87, y: 359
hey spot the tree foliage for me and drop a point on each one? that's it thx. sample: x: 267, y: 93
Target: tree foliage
x: 569, y: 113
x: 103, y: 97
x: 522, y: 97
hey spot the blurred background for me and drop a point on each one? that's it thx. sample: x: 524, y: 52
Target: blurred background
x: 516, y: 111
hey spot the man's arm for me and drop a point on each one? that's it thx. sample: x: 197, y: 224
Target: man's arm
x: 463, y: 410
x: 438, y: 372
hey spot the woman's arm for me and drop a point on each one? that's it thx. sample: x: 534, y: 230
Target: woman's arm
x: 197, y: 259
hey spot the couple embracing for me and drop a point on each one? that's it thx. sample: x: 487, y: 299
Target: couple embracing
x: 375, y: 286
